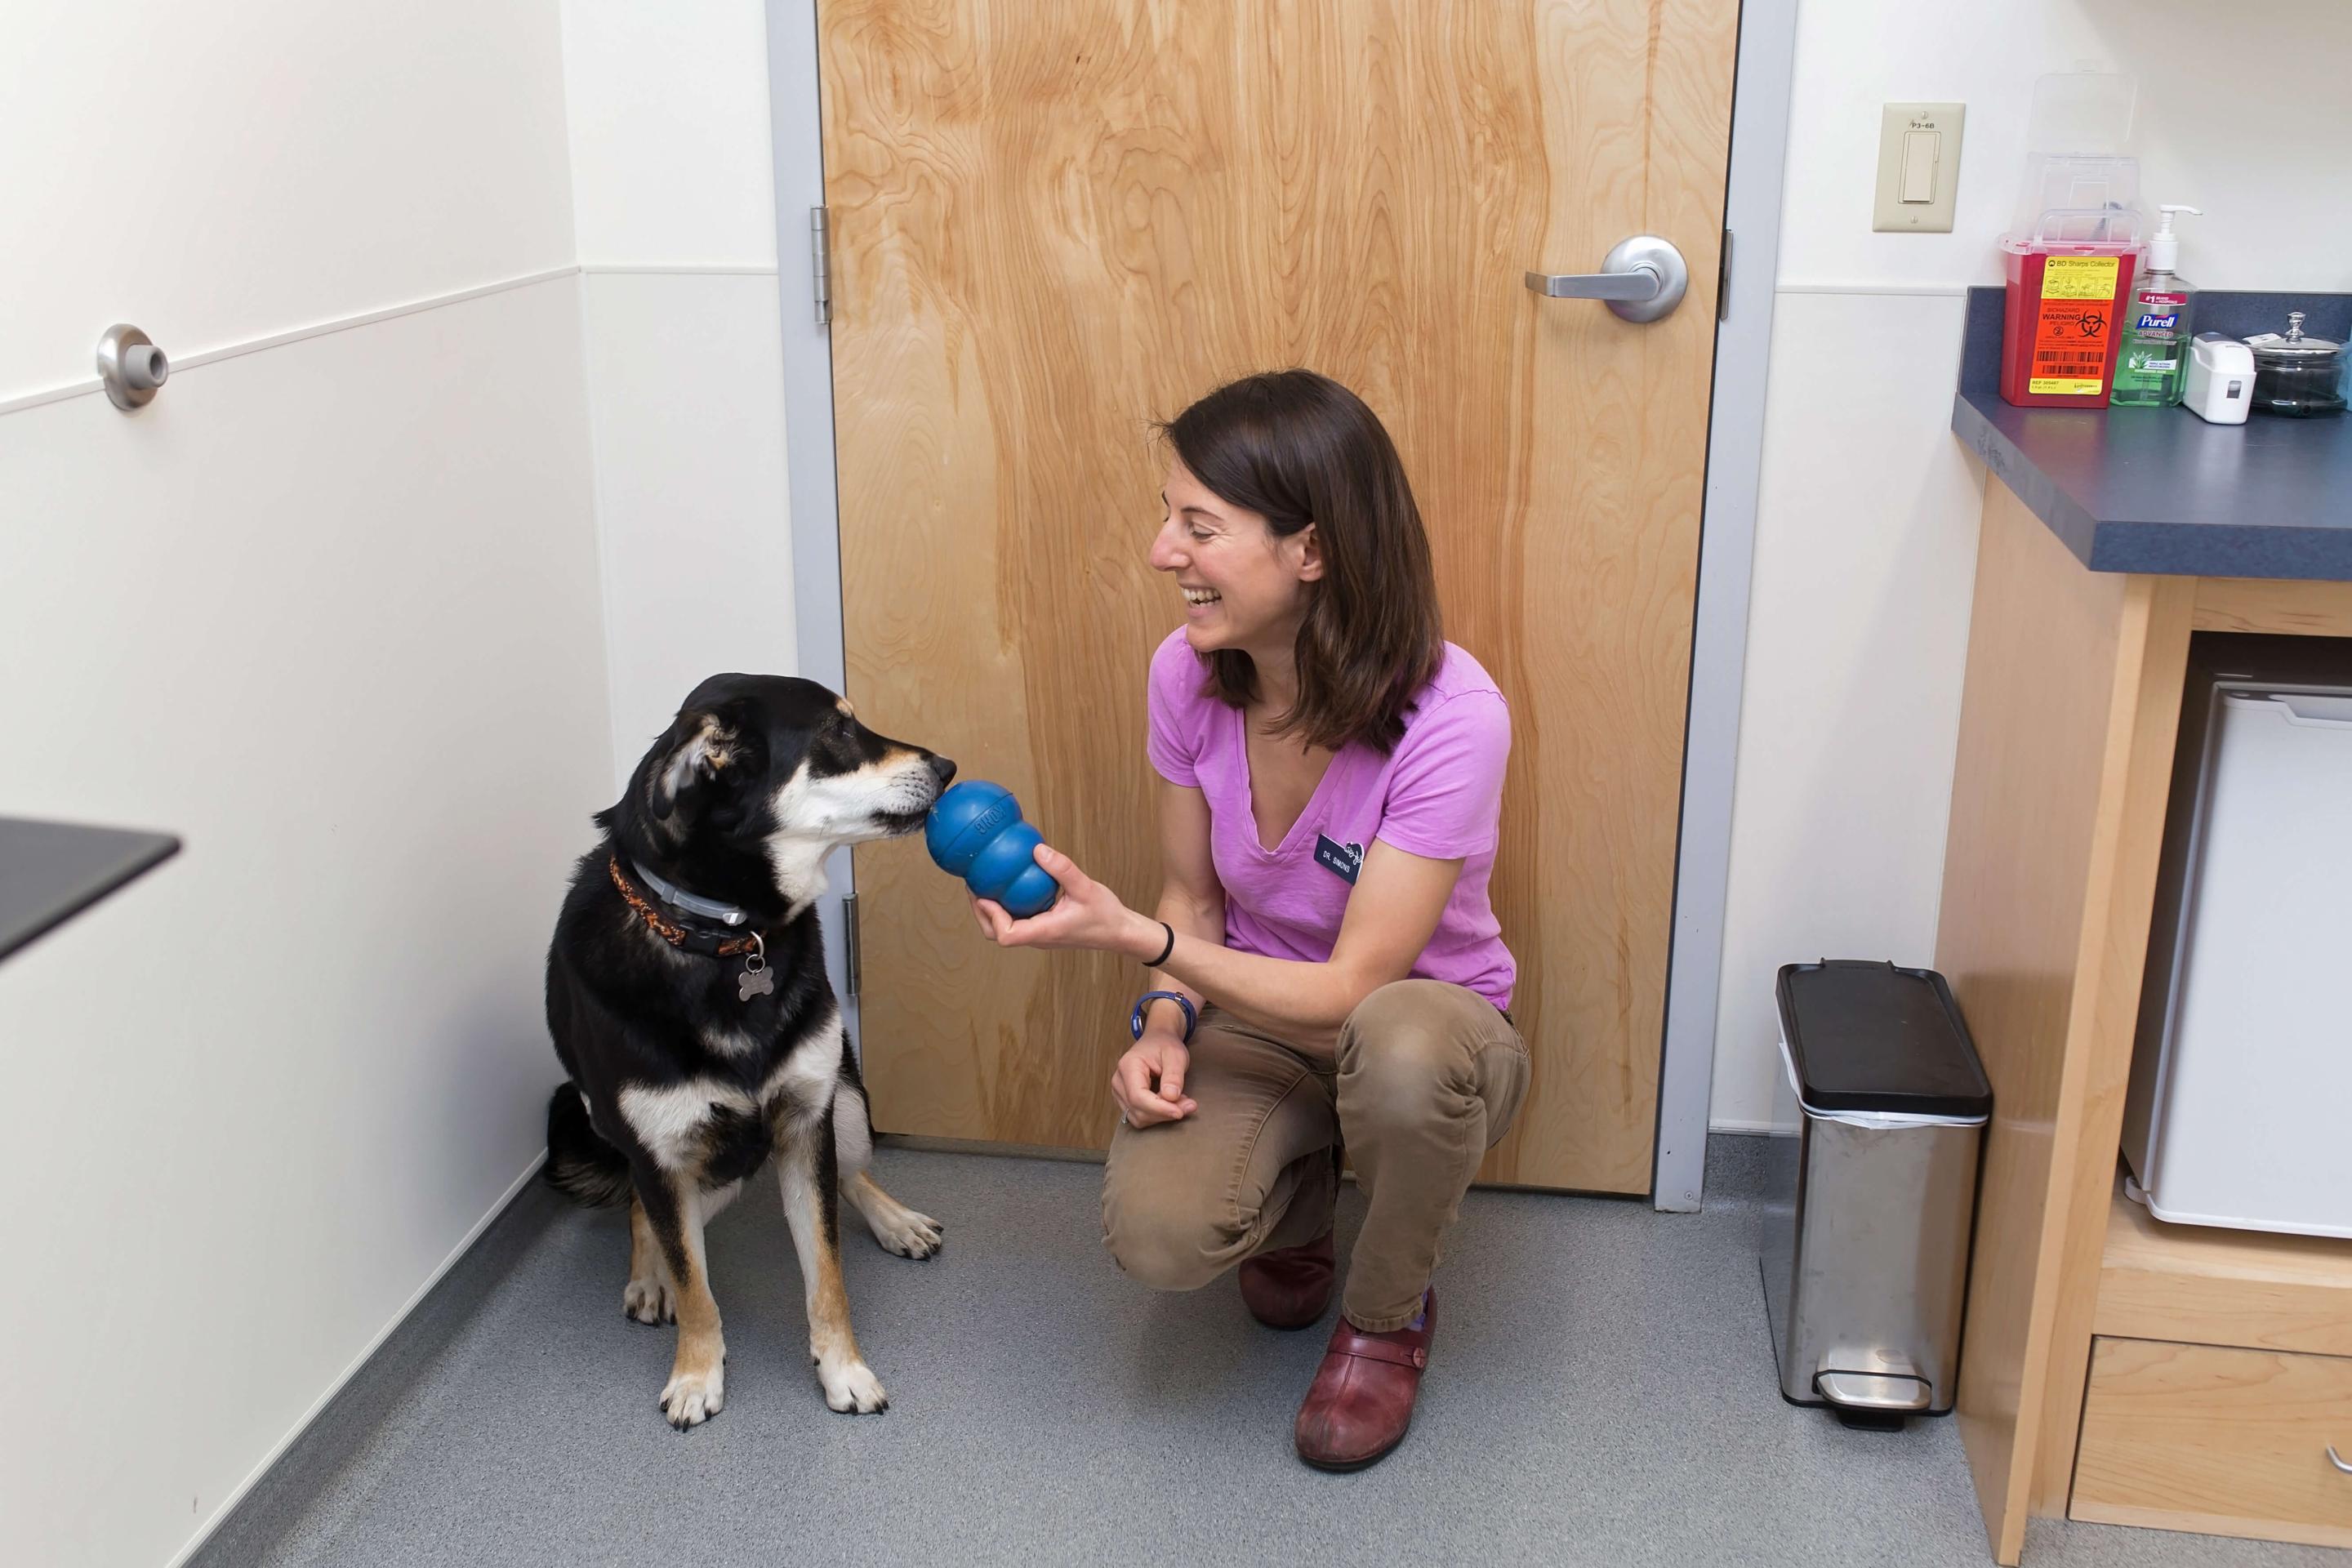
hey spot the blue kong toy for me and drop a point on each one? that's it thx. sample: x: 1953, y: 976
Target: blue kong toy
x: 975, y: 832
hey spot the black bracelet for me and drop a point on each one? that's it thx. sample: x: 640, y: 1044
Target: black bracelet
x: 1164, y: 952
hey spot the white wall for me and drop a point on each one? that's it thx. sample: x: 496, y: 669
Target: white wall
x: 330, y: 610
x: 1866, y: 530
x: 672, y: 179
x: 670, y: 156
x: 2214, y: 81
x: 219, y: 176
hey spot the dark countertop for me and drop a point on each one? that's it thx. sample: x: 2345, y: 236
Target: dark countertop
x: 51, y: 871
x: 2158, y: 489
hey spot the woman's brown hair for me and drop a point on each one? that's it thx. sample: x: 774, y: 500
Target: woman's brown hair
x: 1297, y: 449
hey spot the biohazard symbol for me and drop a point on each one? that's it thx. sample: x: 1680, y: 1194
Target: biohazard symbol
x: 2090, y: 323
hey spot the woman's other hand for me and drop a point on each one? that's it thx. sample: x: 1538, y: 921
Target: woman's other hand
x: 1148, y: 1081
x: 1087, y: 915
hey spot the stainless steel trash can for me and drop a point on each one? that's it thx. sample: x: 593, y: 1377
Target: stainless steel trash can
x: 1865, y: 1243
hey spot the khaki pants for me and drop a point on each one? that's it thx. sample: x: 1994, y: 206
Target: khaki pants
x: 1428, y: 1079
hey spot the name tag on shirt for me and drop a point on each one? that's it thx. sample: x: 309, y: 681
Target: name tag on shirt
x: 1343, y: 861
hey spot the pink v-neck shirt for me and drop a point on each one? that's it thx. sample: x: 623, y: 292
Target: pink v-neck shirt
x: 1438, y: 795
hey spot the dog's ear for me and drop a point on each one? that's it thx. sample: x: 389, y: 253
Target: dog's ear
x: 696, y: 765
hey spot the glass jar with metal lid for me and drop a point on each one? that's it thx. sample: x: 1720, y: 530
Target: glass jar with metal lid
x: 2295, y: 375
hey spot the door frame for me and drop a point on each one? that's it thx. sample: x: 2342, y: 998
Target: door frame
x: 1759, y: 126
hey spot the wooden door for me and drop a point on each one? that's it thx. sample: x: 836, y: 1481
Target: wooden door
x: 1053, y: 223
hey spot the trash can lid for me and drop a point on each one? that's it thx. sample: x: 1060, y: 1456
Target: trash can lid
x: 1866, y: 1036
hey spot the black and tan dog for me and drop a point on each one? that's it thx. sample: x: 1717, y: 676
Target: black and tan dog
x: 686, y: 993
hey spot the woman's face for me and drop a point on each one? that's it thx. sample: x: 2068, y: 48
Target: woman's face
x: 1244, y: 588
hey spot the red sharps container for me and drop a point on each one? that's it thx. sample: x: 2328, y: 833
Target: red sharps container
x: 2063, y: 317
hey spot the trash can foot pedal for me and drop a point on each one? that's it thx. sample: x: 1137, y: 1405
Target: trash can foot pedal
x: 1874, y: 1393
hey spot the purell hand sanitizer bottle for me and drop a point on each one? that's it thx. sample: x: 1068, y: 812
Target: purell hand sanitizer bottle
x: 2154, y: 367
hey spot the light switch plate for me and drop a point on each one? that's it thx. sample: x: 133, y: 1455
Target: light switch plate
x: 1918, y: 153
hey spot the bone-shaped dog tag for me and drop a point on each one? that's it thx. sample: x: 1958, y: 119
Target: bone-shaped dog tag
x: 755, y: 980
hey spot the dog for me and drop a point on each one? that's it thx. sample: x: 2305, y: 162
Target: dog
x: 688, y: 1002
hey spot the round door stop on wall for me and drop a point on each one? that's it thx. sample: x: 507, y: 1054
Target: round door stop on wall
x: 131, y: 367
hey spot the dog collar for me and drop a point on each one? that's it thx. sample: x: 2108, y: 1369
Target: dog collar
x: 755, y: 980
x: 692, y: 903
x: 678, y: 934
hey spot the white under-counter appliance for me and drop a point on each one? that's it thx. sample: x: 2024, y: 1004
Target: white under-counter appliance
x: 2240, y: 1106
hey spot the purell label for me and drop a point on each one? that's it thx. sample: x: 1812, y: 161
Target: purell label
x: 2152, y: 323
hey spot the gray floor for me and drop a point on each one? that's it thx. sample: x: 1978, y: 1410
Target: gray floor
x: 1601, y: 1392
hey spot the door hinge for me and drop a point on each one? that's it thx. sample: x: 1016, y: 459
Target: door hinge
x: 820, y: 265
x: 849, y: 941
x: 1723, y: 281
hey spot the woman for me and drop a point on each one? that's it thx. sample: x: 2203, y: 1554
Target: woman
x: 1329, y: 968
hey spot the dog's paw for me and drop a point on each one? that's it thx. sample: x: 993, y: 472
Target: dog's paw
x: 693, y: 1397
x: 898, y: 1228
x: 907, y: 1234
x: 851, y: 1385
x: 649, y: 1301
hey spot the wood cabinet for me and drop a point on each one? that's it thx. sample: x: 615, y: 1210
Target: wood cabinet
x: 2213, y: 1438
x: 2074, y: 692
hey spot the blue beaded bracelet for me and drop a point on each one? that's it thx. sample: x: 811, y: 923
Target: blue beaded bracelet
x: 1143, y: 1004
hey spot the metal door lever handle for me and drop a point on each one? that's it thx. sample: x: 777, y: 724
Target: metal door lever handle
x: 1642, y: 283
x: 1641, y: 280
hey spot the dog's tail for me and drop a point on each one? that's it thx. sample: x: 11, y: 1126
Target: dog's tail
x: 580, y: 1164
